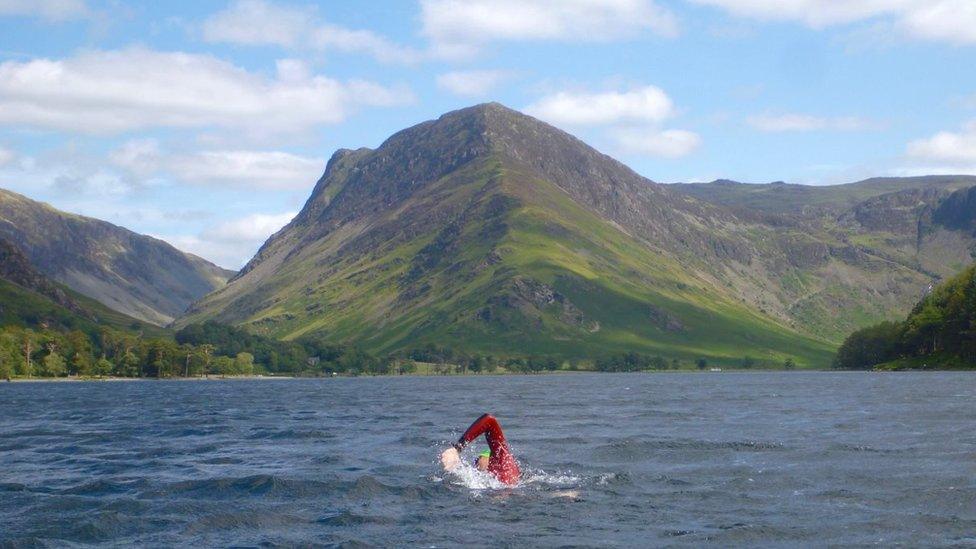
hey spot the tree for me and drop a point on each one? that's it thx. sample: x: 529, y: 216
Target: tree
x: 789, y: 364
x: 701, y: 363
x: 244, y: 364
x: 924, y: 326
x: 870, y: 346
x: 223, y: 365
x: 748, y: 362
x: 103, y: 367
x: 408, y: 367
x: 80, y: 348
x: 6, y: 362
x: 379, y: 367
x: 129, y: 363
x: 53, y: 365
x: 27, y: 348
x: 207, y: 350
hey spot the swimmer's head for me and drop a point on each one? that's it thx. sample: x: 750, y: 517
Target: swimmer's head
x: 482, y: 462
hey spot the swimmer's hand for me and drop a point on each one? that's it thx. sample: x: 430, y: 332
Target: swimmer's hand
x: 450, y: 459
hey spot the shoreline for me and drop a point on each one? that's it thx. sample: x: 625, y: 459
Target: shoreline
x: 112, y: 379
x: 75, y: 379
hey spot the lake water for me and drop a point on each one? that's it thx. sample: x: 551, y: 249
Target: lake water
x: 656, y: 459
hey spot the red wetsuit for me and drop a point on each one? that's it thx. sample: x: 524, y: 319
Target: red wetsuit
x: 502, y: 463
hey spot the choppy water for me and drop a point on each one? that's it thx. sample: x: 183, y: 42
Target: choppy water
x: 663, y: 459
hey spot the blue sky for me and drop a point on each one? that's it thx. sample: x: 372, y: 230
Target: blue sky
x: 207, y: 123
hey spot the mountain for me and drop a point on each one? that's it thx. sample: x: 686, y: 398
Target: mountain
x: 837, y: 258
x: 137, y: 275
x: 31, y: 300
x: 940, y: 332
x: 489, y: 231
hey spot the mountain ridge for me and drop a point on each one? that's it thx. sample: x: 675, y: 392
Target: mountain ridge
x: 138, y: 275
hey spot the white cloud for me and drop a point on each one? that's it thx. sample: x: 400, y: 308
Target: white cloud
x: 933, y: 169
x: 69, y: 170
x: 473, y: 83
x: 814, y: 13
x: 793, y: 122
x: 253, y: 169
x: 666, y: 143
x: 262, y: 23
x: 631, y: 119
x: 6, y: 156
x: 266, y: 170
x: 459, y: 28
x: 954, y: 148
x: 52, y: 10
x: 105, y: 92
x: 232, y: 243
x: 258, y: 23
x: 139, y: 156
x: 327, y: 36
x: 948, y: 20
x: 100, y: 183
x: 252, y: 228
x: 645, y: 105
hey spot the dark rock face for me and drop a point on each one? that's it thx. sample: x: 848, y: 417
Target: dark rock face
x: 896, y: 213
x: 958, y: 211
x: 138, y: 275
x: 529, y: 298
x: 665, y: 321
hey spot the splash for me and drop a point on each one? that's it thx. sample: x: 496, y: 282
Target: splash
x: 558, y: 484
x: 467, y: 475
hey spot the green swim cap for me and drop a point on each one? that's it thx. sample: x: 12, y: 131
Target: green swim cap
x: 485, y: 454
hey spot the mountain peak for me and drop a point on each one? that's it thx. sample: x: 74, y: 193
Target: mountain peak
x: 485, y: 110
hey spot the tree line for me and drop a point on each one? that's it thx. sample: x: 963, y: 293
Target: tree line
x: 199, y: 350
x: 939, y: 331
x: 211, y: 348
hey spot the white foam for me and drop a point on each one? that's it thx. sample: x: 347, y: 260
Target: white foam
x: 467, y: 475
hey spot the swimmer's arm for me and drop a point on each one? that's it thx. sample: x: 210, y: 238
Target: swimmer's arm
x: 485, y: 425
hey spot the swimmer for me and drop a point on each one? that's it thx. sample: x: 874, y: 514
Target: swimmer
x: 498, y: 460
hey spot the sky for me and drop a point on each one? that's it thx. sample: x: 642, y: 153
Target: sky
x: 207, y: 123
